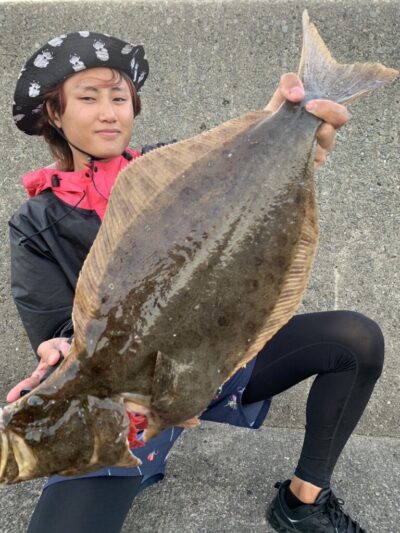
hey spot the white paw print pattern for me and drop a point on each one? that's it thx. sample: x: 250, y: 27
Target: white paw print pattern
x: 17, y: 118
x: 134, y: 67
x: 101, y: 51
x: 43, y: 59
x: 127, y: 49
x: 76, y: 63
x: 57, y: 41
x: 37, y: 109
x: 84, y: 33
x: 34, y: 89
x: 140, y: 77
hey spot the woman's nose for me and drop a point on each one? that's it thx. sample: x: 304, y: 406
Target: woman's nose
x: 107, y: 111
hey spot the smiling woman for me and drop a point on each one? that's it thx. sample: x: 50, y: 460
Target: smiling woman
x: 98, y: 114
x: 97, y: 88
x: 79, y: 91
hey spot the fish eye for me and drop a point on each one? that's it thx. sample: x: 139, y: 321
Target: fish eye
x: 34, y: 401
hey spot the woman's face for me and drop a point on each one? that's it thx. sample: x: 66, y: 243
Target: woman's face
x: 98, y: 116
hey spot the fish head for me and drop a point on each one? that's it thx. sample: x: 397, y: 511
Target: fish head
x: 42, y: 436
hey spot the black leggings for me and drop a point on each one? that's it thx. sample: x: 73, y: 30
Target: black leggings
x: 344, y: 349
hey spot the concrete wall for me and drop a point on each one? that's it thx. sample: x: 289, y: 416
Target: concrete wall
x: 213, y: 60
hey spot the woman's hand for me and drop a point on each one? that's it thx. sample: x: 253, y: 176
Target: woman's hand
x: 334, y: 115
x: 49, y: 352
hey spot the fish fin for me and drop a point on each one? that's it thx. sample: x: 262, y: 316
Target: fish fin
x: 190, y: 423
x: 136, y: 403
x: 165, y: 392
x: 151, y: 432
x: 24, y: 457
x: 324, y: 77
x: 4, y: 453
x: 136, y: 189
x: 155, y: 429
x: 128, y: 460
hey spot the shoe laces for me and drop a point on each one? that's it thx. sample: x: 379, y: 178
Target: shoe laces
x: 340, y: 519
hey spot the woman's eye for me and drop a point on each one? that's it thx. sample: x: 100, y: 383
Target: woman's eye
x: 86, y: 98
x: 120, y: 99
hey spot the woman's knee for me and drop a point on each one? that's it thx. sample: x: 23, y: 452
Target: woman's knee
x: 367, y: 342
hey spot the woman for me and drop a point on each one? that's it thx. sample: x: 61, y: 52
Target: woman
x: 80, y: 91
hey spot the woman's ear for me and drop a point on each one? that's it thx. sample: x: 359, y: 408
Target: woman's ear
x: 54, y: 116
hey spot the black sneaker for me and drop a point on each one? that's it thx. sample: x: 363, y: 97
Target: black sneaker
x: 324, y: 516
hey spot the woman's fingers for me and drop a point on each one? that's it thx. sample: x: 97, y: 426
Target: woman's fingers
x: 320, y: 157
x: 330, y: 112
x: 49, y: 352
x: 333, y: 115
x: 28, y: 383
x: 290, y: 88
x: 326, y: 136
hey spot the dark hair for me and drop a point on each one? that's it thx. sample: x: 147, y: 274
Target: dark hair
x: 58, y: 146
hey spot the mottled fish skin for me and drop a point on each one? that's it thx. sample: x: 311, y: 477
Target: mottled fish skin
x: 204, y: 253
x: 215, y: 260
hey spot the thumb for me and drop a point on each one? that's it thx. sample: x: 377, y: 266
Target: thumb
x: 52, y: 357
x: 48, y: 351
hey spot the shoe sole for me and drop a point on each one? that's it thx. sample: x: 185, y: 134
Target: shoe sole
x: 273, y: 521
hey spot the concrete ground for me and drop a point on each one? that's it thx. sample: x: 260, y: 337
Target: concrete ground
x: 212, y: 486
x: 212, y: 60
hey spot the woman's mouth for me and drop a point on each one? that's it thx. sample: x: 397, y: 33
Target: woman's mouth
x: 108, y: 134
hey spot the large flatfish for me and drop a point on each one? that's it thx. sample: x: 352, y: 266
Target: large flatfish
x: 204, y: 254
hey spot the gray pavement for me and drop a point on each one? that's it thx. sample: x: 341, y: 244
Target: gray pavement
x: 220, y: 478
x: 210, y: 61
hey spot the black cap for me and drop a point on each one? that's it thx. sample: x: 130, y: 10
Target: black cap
x: 65, y: 55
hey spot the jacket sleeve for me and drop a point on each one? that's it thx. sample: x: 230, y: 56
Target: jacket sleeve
x: 40, y: 289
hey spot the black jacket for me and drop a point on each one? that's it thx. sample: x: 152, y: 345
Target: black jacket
x: 45, y: 268
x: 50, y: 240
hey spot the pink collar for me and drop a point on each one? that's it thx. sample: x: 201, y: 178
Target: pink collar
x: 70, y: 186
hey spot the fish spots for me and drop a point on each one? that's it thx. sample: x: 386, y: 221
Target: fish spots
x: 251, y: 285
x: 280, y: 261
x: 299, y: 198
x: 223, y: 321
x: 190, y: 194
x: 269, y: 278
x: 251, y: 327
x: 282, y: 240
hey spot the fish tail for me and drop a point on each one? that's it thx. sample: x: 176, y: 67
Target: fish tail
x: 324, y: 77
